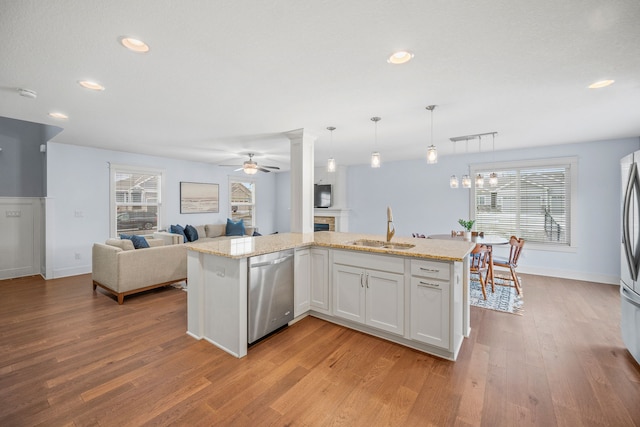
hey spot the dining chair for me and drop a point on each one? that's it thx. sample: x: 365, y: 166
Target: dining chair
x: 511, y: 263
x: 479, y: 264
x: 477, y: 234
x: 418, y: 235
x: 455, y: 233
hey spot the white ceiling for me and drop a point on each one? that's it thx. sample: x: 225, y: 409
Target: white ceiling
x: 229, y: 77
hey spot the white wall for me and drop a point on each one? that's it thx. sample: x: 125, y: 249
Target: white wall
x: 422, y: 202
x: 78, y: 180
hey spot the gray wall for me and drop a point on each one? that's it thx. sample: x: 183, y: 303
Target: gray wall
x: 85, y: 188
x: 22, y: 166
x: 422, y: 202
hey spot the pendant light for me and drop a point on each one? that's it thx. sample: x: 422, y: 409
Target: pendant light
x: 493, y: 177
x: 375, y: 155
x: 331, y: 163
x: 466, y: 180
x: 432, y: 152
x: 453, y: 181
x: 479, y: 177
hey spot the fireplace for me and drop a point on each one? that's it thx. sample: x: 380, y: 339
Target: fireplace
x: 336, y: 219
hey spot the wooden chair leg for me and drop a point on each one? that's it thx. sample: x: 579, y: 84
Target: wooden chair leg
x: 516, y: 283
x: 482, y: 283
x: 120, y: 299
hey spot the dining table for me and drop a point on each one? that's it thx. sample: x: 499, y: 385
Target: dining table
x: 489, y: 240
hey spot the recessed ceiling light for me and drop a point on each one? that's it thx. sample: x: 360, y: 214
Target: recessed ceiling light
x: 400, y: 57
x: 59, y: 116
x: 134, y: 45
x: 601, y: 83
x: 90, y: 85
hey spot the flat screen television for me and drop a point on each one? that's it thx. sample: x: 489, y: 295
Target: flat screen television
x: 322, y: 196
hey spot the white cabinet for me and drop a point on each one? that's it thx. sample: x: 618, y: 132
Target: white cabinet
x: 319, y: 261
x: 430, y: 311
x: 364, y: 294
x: 430, y: 303
x: 311, y: 289
x: 302, y: 281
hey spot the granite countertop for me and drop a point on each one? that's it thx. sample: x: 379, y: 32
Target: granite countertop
x: 242, y: 247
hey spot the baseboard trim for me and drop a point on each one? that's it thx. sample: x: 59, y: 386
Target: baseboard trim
x: 568, y: 274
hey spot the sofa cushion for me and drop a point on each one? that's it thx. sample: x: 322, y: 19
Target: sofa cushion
x: 215, y: 230
x: 178, y: 229
x: 125, y: 245
x: 235, y: 228
x: 202, y: 232
x: 139, y: 242
x: 191, y: 233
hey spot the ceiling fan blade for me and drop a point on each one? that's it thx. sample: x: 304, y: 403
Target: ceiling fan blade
x: 260, y: 168
x: 271, y: 167
x: 239, y: 169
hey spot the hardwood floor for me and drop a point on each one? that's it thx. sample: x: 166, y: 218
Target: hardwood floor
x: 72, y: 357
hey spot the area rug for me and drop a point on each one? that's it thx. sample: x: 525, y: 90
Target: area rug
x: 505, y: 298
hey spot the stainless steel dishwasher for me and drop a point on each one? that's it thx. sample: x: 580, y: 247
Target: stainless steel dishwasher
x: 270, y: 293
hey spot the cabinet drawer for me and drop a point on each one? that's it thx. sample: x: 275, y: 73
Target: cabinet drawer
x: 368, y: 260
x: 431, y: 269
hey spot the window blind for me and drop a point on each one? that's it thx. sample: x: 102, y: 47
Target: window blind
x: 531, y: 202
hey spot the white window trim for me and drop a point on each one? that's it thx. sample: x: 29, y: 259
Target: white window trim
x: 518, y: 164
x: 115, y: 168
x: 233, y: 179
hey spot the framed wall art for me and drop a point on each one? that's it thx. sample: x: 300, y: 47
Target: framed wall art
x: 199, y: 197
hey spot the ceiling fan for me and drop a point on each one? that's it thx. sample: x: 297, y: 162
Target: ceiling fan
x: 251, y: 168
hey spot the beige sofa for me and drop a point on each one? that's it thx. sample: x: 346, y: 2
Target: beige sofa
x: 123, y: 270
x: 206, y: 233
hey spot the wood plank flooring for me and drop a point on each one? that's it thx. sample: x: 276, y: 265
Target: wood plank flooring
x: 72, y: 357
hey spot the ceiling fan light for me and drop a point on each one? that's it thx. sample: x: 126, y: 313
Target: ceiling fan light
x: 250, y: 168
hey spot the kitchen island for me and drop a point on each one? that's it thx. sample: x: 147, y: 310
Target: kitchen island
x: 415, y: 293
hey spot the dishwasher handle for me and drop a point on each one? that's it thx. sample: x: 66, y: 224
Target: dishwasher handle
x: 274, y: 262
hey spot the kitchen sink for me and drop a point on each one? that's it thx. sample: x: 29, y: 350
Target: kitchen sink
x: 382, y: 244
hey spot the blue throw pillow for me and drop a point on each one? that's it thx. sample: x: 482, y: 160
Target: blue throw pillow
x: 139, y: 242
x: 235, y: 228
x: 177, y: 229
x: 191, y: 233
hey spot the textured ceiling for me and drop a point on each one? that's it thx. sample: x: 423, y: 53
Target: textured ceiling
x: 225, y: 78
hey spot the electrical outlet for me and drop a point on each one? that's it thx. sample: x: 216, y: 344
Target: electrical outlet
x: 13, y: 214
x: 77, y: 255
x: 79, y: 214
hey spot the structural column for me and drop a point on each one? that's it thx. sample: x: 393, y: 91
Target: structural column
x: 302, y: 145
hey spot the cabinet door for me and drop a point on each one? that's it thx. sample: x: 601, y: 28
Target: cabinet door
x: 430, y: 312
x: 385, y: 301
x: 302, y: 281
x: 319, y: 261
x: 348, y: 292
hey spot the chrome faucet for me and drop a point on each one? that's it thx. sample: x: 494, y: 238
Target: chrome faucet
x: 391, y: 229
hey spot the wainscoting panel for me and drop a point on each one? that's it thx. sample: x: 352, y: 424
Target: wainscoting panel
x: 21, y: 239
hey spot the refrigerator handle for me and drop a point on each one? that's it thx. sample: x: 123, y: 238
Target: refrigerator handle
x: 628, y: 296
x: 632, y: 186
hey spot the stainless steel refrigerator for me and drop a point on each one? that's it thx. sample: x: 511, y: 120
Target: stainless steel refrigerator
x: 630, y: 254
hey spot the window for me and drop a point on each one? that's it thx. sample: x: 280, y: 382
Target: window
x: 242, y: 200
x: 136, y: 195
x: 533, y: 200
